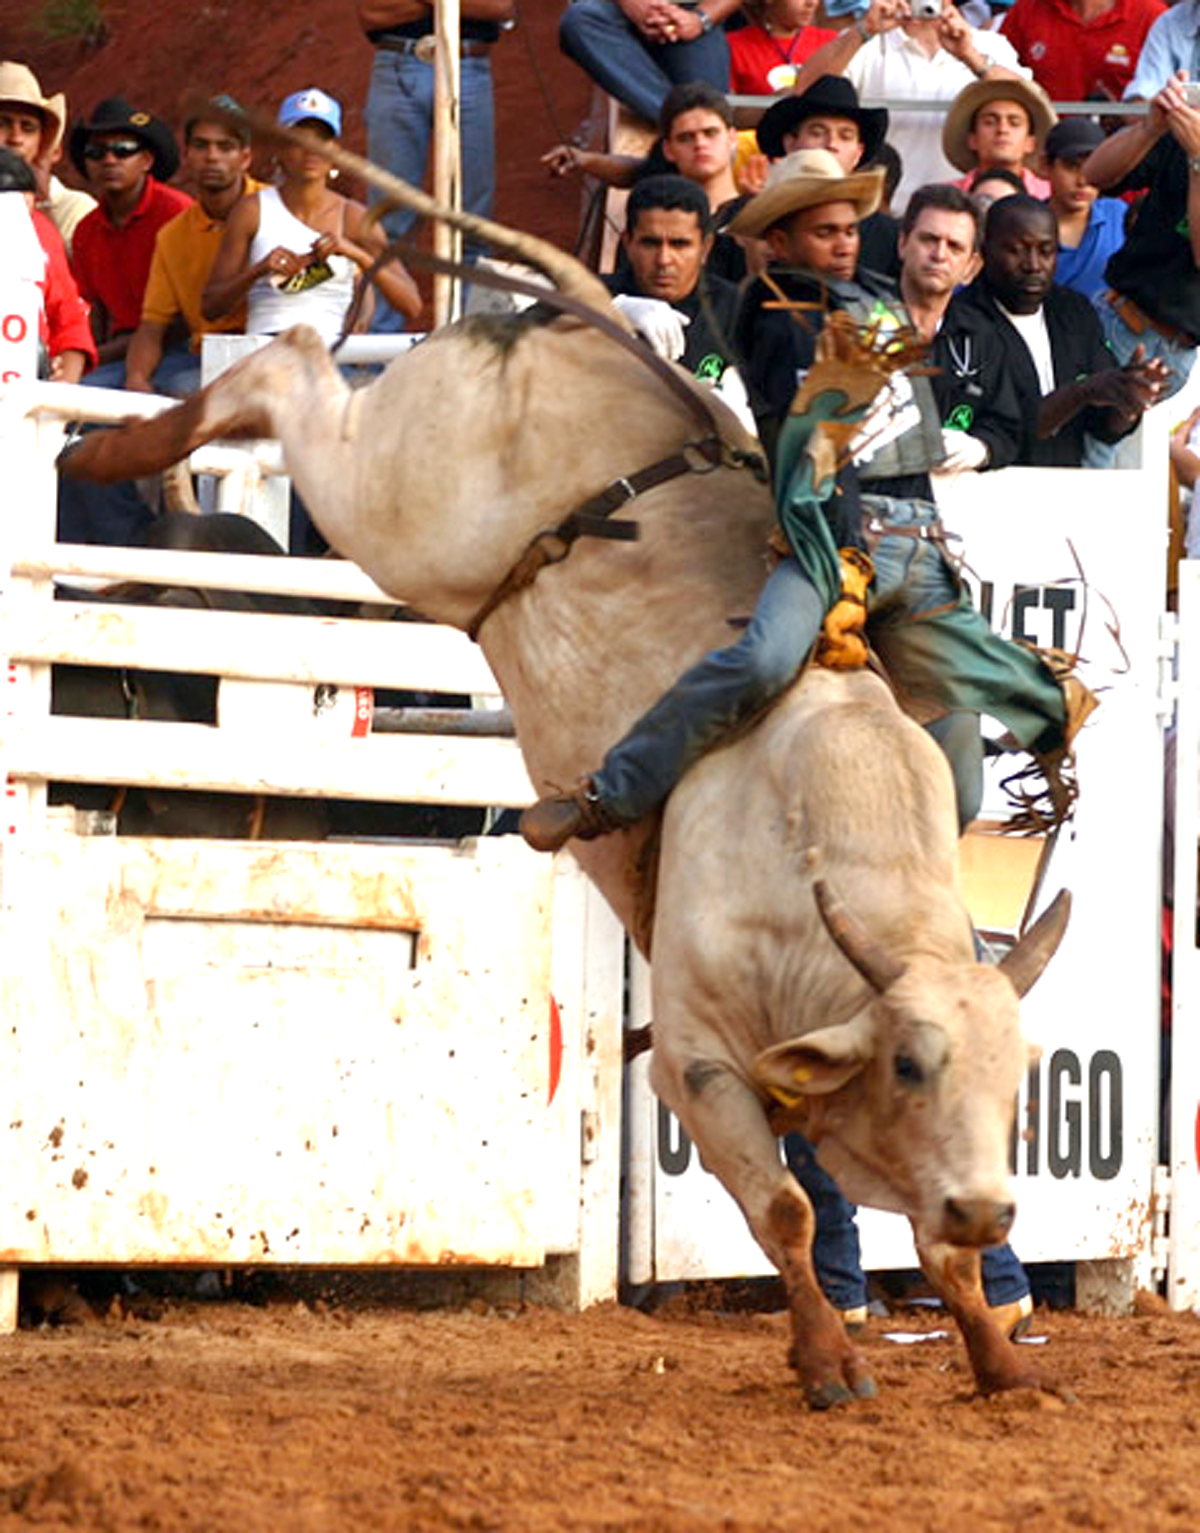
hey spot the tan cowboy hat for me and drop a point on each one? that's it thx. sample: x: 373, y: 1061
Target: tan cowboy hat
x: 806, y: 179
x: 19, y: 86
x: 961, y: 116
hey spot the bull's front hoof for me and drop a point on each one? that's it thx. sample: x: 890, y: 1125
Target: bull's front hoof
x: 823, y: 1397
x: 1035, y: 1391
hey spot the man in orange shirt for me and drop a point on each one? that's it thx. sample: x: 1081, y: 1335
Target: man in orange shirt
x: 163, y: 353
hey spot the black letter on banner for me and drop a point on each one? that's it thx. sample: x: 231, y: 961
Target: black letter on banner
x: 1060, y: 601
x: 1024, y: 597
x: 673, y: 1158
x: 1033, y: 1117
x: 1064, y: 1063
x: 1105, y: 1167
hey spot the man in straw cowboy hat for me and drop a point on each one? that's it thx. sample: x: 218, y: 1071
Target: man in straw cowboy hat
x: 935, y: 644
x: 127, y: 155
x: 830, y: 116
x: 32, y: 126
x: 999, y: 125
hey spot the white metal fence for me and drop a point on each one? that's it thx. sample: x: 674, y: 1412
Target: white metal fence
x: 241, y: 1051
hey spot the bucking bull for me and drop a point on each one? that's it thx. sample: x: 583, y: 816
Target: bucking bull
x: 813, y: 962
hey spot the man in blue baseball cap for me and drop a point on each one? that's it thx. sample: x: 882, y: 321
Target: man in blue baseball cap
x: 311, y: 107
x: 293, y: 252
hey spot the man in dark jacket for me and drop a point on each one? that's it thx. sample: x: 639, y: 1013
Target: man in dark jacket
x: 1154, y: 301
x: 972, y: 384
x: 664, y: 288
x: 1070, y: 385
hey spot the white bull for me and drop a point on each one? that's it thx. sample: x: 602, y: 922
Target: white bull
x: 903, y: 1063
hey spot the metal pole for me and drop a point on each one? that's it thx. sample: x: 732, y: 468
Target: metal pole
x: 447, y: 158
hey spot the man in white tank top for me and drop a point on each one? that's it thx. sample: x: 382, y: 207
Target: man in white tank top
x: 294, y: 251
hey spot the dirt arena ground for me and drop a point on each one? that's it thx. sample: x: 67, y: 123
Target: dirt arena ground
x: 318, y: 1414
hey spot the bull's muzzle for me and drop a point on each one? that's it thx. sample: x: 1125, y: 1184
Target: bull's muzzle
x: 977, y: 1221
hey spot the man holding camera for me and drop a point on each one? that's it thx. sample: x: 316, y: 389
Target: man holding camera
x: 1153, y: 300
x: 916, y: 50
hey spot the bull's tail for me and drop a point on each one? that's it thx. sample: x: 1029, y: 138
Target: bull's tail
x: 237, y: 406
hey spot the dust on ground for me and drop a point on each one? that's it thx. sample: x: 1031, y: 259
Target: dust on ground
x: 320, y: 1414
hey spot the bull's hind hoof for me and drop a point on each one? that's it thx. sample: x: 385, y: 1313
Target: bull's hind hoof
x: 823, y: 1397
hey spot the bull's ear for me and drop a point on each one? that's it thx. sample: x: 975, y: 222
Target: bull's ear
x: 815, y: 1064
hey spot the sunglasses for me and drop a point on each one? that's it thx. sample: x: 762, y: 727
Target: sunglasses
x: 122, y: 149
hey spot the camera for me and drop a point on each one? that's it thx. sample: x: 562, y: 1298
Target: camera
x: 925, y: 10
x: 1191, y: 94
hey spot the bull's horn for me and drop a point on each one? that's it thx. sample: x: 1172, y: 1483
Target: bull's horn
x: 877, y: 966
x: 568, y: 275
x: 1024, y: 964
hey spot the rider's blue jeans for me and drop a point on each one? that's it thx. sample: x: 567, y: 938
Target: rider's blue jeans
x: 836, y: 1254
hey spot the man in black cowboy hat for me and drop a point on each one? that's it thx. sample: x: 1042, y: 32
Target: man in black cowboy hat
x: 126, y: 155
x: 828, y: 115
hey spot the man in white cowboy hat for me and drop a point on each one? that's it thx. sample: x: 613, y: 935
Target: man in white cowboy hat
x: 127, y: 155
x: 808, y: 215
x: 892, y: 54
x: 999, y: 125
x: 32, y: 126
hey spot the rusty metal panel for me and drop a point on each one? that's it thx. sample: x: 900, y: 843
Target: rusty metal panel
x: 230, y: 1053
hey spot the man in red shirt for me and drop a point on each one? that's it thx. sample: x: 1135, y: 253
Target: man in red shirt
x: 1078, y: 49
x: 126, y: 155
x: 63, y: 327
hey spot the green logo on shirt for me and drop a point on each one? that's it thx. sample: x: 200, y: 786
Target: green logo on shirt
x: 711, y: 367
x: 961, y: 418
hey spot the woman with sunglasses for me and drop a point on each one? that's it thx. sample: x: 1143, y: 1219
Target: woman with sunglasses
x: 294, y: 252
x: 126, y: 156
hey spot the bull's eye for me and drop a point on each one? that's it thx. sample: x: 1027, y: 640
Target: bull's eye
x: 908, y: 1070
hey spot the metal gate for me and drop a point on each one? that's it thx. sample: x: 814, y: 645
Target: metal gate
x: 240, y: 1051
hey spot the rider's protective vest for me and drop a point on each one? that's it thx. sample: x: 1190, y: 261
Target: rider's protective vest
x: 903, y: 434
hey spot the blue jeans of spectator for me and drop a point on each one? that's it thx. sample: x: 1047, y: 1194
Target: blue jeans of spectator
x: 1123, y: 342
x: 836, y: 1254
x: 115, y: 513
x: 399, y: 133
x: 178, y: 374
x: 101, y: 513
x: 603, y: 41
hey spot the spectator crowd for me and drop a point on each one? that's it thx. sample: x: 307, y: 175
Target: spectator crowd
x: 135, y: 271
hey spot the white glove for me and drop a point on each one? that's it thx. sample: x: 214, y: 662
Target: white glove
x: 732, y: 390
x: 963, y: 451
x: 656, y: 322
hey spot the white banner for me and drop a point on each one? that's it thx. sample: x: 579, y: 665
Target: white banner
x: 1089, y: 1109
x: 19, y: 309
x: 1183, y: 1264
